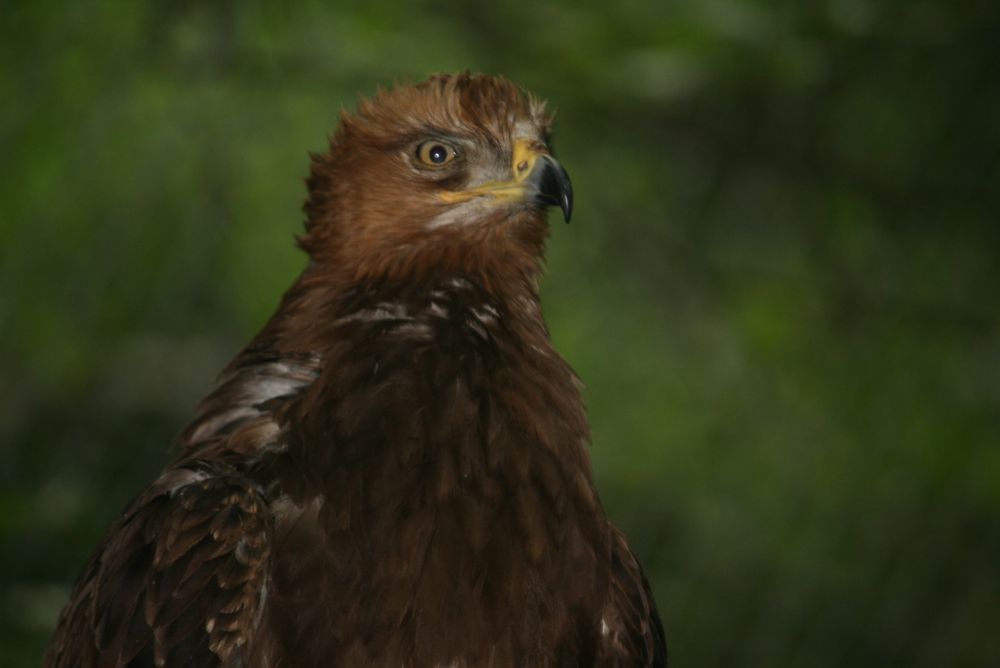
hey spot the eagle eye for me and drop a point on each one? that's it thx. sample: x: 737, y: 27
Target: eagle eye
x: 435, y: 153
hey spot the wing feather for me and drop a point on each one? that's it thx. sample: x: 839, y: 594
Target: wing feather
x: 179, y: 577
x: 631, y: 629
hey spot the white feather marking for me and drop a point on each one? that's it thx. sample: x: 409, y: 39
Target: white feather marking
x: 464, y: 213
x: 381, y: 311
x: 418, y: 330
x: 271, y: 387
x: 486, y: 313
x: 476, y: 326
x: 215, y: 424
x: 176, y: 479
x: 252, y: 386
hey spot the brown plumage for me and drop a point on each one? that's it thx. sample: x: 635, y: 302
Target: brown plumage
x: 393, y: 472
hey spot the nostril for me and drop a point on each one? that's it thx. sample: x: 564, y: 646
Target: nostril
x: 523, y: 165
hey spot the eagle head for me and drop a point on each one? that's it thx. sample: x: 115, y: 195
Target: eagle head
x: 448, y: 175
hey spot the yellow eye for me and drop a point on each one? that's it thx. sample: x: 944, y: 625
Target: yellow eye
x: 435, y: 153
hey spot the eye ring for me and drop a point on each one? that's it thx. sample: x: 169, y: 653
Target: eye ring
x: 435, y: 153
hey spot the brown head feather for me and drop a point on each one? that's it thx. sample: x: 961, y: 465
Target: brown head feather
x: 371, y: 209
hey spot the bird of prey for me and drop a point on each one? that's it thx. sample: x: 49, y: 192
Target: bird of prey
x: 394, y: 471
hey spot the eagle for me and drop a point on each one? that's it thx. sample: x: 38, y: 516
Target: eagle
x: 394, y: 471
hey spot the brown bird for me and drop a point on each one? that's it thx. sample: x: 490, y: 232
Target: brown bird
x: 394, y: 471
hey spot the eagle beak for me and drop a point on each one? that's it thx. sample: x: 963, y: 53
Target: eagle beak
x: 537, y: 177
x: 554, y: 186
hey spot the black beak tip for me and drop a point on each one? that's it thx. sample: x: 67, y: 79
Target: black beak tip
x: 555, y: 188
x: 566, y: 201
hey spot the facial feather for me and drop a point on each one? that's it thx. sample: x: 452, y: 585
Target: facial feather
x: 376, y: 211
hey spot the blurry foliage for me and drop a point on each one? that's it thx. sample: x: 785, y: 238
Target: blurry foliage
x: 781, y: 286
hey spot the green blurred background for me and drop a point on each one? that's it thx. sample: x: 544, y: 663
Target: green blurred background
x: 781, y: 284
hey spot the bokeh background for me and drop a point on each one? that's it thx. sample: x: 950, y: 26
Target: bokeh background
x: 781, y: 284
